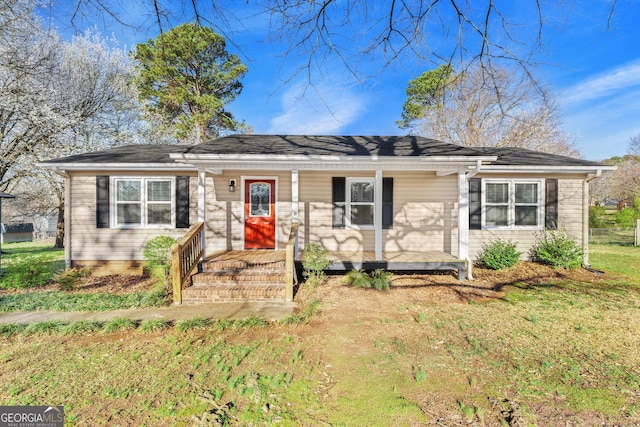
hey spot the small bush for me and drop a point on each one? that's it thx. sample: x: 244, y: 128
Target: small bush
x: 378, y: 279
x: 498, y: 254
x: 558, y: 249
x: 315, y: 261
x: 358, y: 279
x: 157, y: 253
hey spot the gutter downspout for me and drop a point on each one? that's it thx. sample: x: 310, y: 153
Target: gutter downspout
x: 585, y: 215
x: 463, y: 238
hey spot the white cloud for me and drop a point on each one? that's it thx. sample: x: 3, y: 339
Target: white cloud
x: 606, y: 84
x: 316, y: 110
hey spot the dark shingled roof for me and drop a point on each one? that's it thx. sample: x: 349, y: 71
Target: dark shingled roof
x: 326, y: 145
x: 390, y: 146
x: 143, y: 153
x: 522, y: 157
x: 19, y: 227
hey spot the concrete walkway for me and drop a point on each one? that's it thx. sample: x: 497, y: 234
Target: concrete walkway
x: 267, y: 310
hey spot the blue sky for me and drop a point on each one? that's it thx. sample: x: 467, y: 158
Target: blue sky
x: 592, y: 67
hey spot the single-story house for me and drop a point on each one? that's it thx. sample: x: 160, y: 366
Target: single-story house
x: 17, y: 232
x: 372, y: 201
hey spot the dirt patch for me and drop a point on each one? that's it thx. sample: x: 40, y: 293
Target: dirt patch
x: 114, y: 284
x: 441, y: 287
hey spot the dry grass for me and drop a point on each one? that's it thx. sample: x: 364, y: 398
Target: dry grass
x: 526, y: 346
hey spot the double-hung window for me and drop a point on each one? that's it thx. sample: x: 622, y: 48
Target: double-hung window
x: 360, y: 202
x: 144, y: 202
x: 513, y: 203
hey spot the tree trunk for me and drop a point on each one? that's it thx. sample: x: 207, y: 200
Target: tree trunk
x: 60, y: 228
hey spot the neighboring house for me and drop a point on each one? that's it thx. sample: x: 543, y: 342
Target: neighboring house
x: 363, y: 198
x: 18, y: 232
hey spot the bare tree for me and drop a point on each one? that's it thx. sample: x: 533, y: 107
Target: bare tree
x: 634, y: 145
x: 484, y: 107
x: 455, y: 31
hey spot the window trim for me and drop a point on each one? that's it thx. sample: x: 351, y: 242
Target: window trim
x: 511, y: 204
x: 144, y: 202
x: 348, y: 203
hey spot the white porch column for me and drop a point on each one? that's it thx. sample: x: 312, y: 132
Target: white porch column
x: 377, y: 215
x: 463, y: 215
x: 202, y: 179
x: 294, y: 196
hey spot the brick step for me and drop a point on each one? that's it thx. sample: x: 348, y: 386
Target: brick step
x: 241, y: 265
x: 207, y: 293
x: 257, y: 277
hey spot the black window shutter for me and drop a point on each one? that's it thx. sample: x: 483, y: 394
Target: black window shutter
x: 102, y: 202
x: 338, y: 198
x: 475, y: 204
x: 182, y: 202
x: 551, y: 204
x: 387, y: 203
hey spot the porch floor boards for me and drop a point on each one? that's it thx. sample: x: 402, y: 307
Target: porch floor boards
x: 407, y: 261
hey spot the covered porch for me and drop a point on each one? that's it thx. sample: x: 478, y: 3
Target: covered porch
x: 231, y: 275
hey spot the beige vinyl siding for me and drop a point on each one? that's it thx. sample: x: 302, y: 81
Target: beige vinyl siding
x: 91, y: 244
x: 425, y: 213
x: 423, y: 206
x: 569, y: 219
x: 225, y: 211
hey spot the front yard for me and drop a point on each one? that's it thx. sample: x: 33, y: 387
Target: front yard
x: 527, y: 346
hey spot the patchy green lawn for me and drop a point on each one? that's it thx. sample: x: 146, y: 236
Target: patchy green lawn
x: 527, y: 346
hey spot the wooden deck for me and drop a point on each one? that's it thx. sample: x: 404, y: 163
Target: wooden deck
x: 241, y: 258
x: 405, y: 261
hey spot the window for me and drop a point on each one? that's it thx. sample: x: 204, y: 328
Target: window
x: 142, y: 202
x: 512, y: 203
x: 360, y: 202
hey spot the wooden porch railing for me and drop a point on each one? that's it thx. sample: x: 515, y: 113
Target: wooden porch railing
x: 291, y: 254
x: 185, y: 255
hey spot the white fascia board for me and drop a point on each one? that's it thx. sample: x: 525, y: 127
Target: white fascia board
x: 116, y: 166
x: 545, y: 169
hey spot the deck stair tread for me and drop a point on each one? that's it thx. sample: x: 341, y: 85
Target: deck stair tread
x: 238, y: 276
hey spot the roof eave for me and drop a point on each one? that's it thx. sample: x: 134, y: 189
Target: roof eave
x: 73, y: 166
x: 587, y: 169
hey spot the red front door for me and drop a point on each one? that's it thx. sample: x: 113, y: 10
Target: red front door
x: 259, y: 214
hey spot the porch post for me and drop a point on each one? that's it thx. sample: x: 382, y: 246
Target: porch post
x: 463, y: 216
x: 202, y: 209
x: 377, y: 215
x: 294, y: 196
x: 202, y: 177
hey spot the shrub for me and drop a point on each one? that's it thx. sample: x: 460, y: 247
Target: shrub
x: 557, y: 248
x: 28, y: 271
x: 498, y: 254
x: 597, y: 217
x: 157, y: 253
x: 626, y: 217
x: 315, y: 261
x: 378, y: 279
